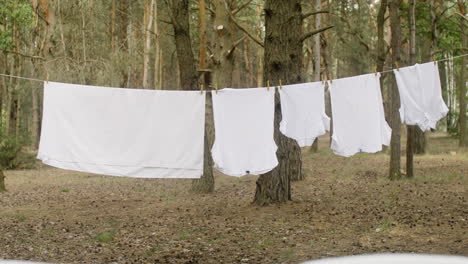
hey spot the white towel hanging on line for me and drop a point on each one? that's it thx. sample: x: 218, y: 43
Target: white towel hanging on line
x: 123, y: 132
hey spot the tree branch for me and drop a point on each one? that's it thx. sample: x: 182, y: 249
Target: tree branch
x: 237, y: 10
x: 259, y: 42
x: 306, y: 15
x: 23, y: 55
x: 310, y: 34
x: 235, y: 44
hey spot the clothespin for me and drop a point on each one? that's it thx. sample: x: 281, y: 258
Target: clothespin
x: 201, y: 88
x: 330, y: 77
x: 47, y: 77
x: 434, y: 59
x: 280, y: 84
x: 268, y: 85
x: 216, y: 88
x: 398, y: 67
x: 321, y: 78
x: 375, y: 70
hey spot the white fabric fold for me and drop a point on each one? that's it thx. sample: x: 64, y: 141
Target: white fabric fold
x: 358, y: 115
x: 421, y: 95
x: 303, y: 112
x: 243, y: 120
x: 123, y: 132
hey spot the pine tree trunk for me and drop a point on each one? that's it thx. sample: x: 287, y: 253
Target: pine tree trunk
x: 146, y: 52
x: 463, y: 140
x: 395, y: 160
x: 381, y: 51
x: 283, y: 61
x: 317, y: 55
x: 189, y: 81
x: 158, y: 65
x: 224, y: 53
x: 260, y: 53
x: 410, y: 129
x: 420, y: 141
x: 2, y: 182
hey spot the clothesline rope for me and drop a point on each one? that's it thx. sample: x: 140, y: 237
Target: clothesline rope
x: 39, y: 80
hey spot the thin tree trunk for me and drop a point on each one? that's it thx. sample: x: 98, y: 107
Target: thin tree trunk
x: 317, y: 53
x: 283, y: 61
x: 113, y: 15
x: 394, y: 7
x: 2, y: 182
x: 189, y: 81
x: 146, y: 52
x: 260, y: 50
x: 410, y: 129
x: 157, y: 52
x: 463, y: 140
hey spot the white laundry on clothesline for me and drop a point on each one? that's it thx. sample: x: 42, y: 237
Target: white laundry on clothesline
x: 303, y: 112
x: 123, y: 132
x: 358, y: 115
x: 244, y: 142
x: 421, y: 95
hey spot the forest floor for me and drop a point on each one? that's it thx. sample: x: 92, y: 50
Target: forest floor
x: 345, y: 206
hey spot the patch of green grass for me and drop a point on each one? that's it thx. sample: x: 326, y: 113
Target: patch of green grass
x: 184, y: 235
x: 65, y: 190
x: 105, y: 237
x: 287, y: 254
x: 263, y: 244
x: 21, y: 217
x: 386, y: 225
x: 153, y: 250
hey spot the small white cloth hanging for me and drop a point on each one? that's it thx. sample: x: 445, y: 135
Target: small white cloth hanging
x: 420, y: 95
x: 243, y: 120
x: 123, y: 132
x: 303, y: 112
x: 358, y: 115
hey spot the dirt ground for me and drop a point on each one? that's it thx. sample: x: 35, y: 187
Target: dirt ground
x: 345, y: 206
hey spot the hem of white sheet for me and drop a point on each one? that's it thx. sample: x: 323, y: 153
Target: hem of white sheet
x: 335, y: 147
x: 130, y: 171
x: 308, y: 141
x: 349, y: 154
x: 240, y: 174
x: 425, y: 124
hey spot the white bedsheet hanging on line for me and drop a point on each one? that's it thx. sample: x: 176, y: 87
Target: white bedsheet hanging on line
x: 421, y: 95
x: 358, y: 115
x: 244, y: 142
x: 303, y: 112
x: 123, y: 132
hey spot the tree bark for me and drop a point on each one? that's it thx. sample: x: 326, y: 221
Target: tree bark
x: 113, y: 14
x: 283, y: 61
x: 158, y: 58
x: 189, y: 81
x: 2, y: 182
x: 317, y: 53
x: 146, y: 52
x: 463, y: 141
x: 224, y: 53
x: 395, y: 160
x: 260, y: 53
x: 412, y: 57
x: 202, y: 27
